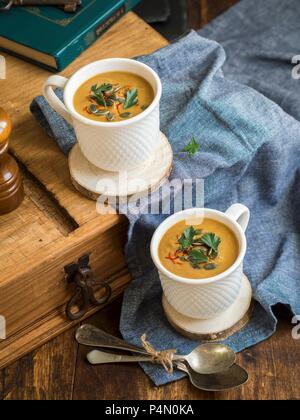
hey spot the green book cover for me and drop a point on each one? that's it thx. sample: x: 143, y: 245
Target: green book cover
x: 50, y: 37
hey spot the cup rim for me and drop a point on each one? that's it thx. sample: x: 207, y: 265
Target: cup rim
x: 160, y: 231
x: 68, y: 97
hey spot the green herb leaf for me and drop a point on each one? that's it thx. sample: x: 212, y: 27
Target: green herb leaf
x: 211, y: 240
x: 131, y: 98
x: 192, y: 147
x: 102, y: 88
x: 197, y: 256
x: 98, y: 93
x: 186, y: 239
x: 99, y: 98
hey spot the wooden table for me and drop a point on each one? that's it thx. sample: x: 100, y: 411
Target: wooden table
x: 58, y: 369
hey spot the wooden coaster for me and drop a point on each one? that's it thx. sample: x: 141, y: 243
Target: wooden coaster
x: 219, y: 328
x: 93, y: 182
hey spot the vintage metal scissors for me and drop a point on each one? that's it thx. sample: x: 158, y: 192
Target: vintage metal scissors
x: 67, y: 5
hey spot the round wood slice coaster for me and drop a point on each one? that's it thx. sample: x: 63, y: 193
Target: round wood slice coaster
x: 219, y: 328
x: 93, y: 182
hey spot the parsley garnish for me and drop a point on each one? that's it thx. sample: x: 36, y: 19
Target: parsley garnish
x: 98, y: 93
x: 196, y: 248
x: 131, y: 98
x: 211, y: 240
x: 187, y: 238
x: 192, y: 147
x: 114, y: 98
x: 197, y: 256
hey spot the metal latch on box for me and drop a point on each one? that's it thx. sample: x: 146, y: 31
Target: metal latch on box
x: 80, y: 274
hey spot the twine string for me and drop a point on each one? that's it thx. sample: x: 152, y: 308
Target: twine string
x: 164, y: 357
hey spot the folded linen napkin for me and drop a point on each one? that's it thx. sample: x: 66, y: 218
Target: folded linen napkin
x: 250, y: 149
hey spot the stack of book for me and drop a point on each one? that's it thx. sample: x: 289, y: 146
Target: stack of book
x: 52, y: 38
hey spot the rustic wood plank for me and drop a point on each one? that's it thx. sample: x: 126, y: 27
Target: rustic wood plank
x: 25, y: 298
x: 46, y: 374
x: 46, y: 328
x: 27, y: 225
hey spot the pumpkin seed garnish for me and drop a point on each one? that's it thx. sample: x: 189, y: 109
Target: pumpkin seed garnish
x: 210, y: 266
x: 93, y: 109
x: 144, y: 107
x: 106, y: 95
x: 117, y: 88
x: 126, y: 114
x: 110, y: 116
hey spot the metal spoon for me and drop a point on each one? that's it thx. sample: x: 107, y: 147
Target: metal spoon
x: 231, y: 378
x: 97, y: 357
x: 205, y: 359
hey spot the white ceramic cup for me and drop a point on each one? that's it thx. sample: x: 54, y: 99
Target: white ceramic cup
x: 113, y: 146
x: 204, y: 298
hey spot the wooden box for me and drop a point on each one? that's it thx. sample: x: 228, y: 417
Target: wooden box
x: 55, y: 225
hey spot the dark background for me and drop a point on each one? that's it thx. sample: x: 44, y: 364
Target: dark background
x: 173, y: 18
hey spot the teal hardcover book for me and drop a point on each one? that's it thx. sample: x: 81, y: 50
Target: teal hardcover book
x: 50, y: 37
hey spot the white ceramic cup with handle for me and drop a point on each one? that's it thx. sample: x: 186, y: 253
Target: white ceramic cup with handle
x: 112, y: 146
x: 204, y: 298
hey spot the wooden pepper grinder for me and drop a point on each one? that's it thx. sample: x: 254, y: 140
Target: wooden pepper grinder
x: 11, y: 185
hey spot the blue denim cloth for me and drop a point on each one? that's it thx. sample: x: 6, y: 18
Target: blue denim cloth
x: 245, y: 113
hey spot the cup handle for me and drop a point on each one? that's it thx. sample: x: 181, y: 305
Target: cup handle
x: 52, y: 99
x: 239, y: 213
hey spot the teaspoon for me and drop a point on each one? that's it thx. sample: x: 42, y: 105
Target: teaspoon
x: 231, y: 378
x: 205, y: 359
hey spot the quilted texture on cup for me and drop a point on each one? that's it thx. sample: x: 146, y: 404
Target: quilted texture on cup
x: 119, y: 148
x: 202, y: 301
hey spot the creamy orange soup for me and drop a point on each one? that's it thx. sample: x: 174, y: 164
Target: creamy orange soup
x: 113, y: 96
x: 198, y: 251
